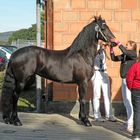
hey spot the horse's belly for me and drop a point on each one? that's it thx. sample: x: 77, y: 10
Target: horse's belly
x: 61, y: 77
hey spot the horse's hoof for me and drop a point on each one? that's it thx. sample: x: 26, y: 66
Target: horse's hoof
x: 17, y: 123
x: 86, y: 123
x: 6, y: 120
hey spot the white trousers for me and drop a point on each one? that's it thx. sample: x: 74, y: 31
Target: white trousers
x: 126, y: 95
x: 101, y: 83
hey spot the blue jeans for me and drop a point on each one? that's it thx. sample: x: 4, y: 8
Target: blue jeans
x: 136, y: 108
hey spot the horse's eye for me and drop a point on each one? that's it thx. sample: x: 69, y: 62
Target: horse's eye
x: 103, y: 26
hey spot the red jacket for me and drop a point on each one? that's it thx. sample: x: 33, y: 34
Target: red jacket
x: 133, y: 76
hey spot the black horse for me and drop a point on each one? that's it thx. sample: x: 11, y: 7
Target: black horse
x: 72, y: 65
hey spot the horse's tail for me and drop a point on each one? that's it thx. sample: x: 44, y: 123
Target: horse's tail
x: 7, y: 92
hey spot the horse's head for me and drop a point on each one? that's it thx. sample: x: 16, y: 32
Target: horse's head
x: 102, y: 30
x: 90, y: 34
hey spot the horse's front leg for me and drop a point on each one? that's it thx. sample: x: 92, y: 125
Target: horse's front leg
x: 84, y: 109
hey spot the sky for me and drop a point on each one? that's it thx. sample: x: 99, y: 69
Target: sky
x: 17, y: 14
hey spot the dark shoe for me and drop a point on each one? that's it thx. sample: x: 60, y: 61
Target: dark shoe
x: 99, y: 119
x: 111, y: 119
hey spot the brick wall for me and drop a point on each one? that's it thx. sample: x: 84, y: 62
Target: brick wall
x: 122, y: 16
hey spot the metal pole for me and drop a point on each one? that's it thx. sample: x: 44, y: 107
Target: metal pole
x: 38, y: 78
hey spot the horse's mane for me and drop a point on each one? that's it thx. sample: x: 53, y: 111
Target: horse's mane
x: 83, y: 40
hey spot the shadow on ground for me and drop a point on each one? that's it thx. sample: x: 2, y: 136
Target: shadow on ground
x: 117, y: 127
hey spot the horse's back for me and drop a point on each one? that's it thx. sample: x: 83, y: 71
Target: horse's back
x: 35, y: 60
x: 24, y: 51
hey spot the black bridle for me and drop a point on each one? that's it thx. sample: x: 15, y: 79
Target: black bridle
x: 98, y: 30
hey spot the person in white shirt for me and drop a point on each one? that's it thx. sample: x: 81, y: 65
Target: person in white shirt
x: 101, y: 84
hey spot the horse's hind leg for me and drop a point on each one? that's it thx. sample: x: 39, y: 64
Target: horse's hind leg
x: 7, y: 102
x: 83, y: 114
x: 19, y: 87
x: 14, y: 116
x: 7, y: 93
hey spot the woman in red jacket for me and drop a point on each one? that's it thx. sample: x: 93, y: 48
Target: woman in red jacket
x: 133, y: 83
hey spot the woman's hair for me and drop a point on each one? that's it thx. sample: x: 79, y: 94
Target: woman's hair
x: 133, y: 44
x: 138, y: 58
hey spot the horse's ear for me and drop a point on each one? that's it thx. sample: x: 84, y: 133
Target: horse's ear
x: 95, y: 17
x: 100, y: 17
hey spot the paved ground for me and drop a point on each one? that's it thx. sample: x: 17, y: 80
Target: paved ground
x: 61, y: 127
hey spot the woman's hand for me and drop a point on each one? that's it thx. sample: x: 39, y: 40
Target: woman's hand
x: 115, y: 42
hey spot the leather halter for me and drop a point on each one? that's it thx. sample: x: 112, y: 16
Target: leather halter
x: 98, y: 30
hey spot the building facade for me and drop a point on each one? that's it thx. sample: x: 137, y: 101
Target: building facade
x: 66, y: 18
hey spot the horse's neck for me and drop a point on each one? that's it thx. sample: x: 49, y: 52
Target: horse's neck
x: 89, y: 55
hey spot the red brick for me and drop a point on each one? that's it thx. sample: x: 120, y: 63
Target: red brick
x: 57, y: 16
x: 117, y: 50
x: 123, y: 15
x: 116, y: 82
x: 107, y: 15
x: 108, y: 63
x: 86, y: 15
x: 61, y: 4
x: 78, y: 4
x: 64, y: 92
x: 68, y: 38
x: 129, y: 27
x: 64, y: 95
x: 135, y: 37
x: 139, y: 26
x: 89, y: 91
x: 122, y: 37
x: 135, y: 15
x: 116, y: 64
x: 116, y: 89
x: 57, y: 39
x: 116, y: 95
x: 70, y: 16
x: 113, y: 71
x: 68, y: 92
x: 76, y: 27
x: 129, y: 4
x: 60, y: 27
x: 114, y: 26
x: 138, y: 4
x: 57, y: 46
x: 124, y: 23
x: 112, y: 4
x: 95, y: 4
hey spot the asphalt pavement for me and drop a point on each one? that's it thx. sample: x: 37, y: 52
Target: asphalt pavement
x: 61, y: 127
